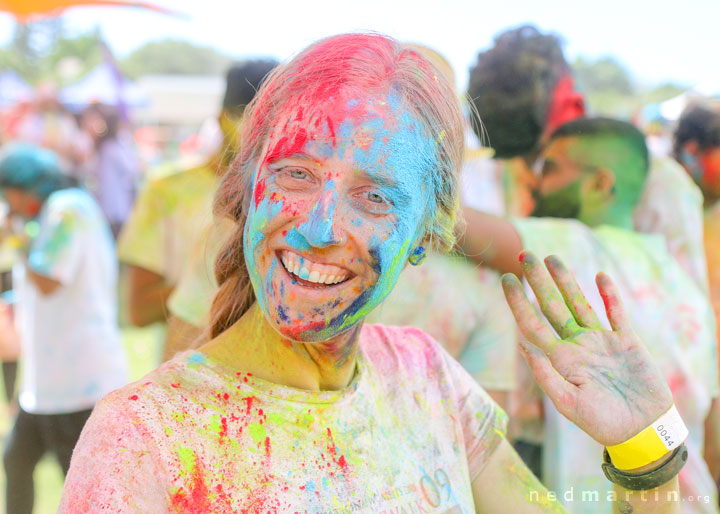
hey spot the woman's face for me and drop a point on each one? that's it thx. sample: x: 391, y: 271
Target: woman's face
x: 339, y: 201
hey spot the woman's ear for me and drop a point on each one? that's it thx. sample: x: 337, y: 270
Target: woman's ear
x: 417, y: 255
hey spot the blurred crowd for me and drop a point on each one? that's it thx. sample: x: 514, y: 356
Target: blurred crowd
x: 84, y: 226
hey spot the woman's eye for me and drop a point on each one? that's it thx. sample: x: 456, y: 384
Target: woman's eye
x: 375, y: 198
x: 298, y: 173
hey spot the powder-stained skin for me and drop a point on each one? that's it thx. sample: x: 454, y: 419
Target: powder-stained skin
x: 348, y: 186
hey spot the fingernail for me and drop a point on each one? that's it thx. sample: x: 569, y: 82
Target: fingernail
x: 508, y: 279
x: 554, y: 261
x: 528, y: 259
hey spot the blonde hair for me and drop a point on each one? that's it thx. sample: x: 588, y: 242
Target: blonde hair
x: 365, y: 64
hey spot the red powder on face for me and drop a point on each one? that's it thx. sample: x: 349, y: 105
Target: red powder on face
x: 287, y: 146
x: 133, y: 397
x: 259, y: 191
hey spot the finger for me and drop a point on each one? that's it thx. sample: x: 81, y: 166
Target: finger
x: 562, y: 393
x: 551, y: 303
x: 571, y: 292
x: 532, y: 326
x: 614, y: 308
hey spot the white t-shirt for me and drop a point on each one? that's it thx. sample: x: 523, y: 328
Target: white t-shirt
x: 71, y: 352
x: 408, y: 434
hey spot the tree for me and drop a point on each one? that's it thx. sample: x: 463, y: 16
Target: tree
x: 174, y: 57
x: 37, y: 49
x: 604, y: 75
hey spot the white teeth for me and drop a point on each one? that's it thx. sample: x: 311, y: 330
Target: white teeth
x: 311, y: 271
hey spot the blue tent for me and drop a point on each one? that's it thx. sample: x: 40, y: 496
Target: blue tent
x: 13, y: 89
x: 103, y: 85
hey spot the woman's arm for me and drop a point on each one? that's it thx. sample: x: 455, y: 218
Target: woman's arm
x: 604, y: 381
x: 506, y: 485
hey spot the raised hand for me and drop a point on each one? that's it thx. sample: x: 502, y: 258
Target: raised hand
x: 602, y: 380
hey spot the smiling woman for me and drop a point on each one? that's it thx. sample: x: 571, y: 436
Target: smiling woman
x: 349, y: 172
x: 352, y: 150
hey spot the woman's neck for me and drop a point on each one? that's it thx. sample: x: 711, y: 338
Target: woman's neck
x: 251, y: 345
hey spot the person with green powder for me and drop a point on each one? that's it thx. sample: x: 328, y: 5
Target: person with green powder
x: 347, y: 173
x: 592, y: 176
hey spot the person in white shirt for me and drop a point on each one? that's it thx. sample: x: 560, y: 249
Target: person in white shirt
x: 65, y: 314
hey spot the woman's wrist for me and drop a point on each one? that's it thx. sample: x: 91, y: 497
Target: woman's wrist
x: 661, y: 437
x: 650, y: 458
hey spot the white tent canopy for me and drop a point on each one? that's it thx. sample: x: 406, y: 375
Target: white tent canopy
x: 103, y: 85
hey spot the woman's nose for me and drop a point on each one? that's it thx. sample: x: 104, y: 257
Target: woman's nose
x: 322, y: 228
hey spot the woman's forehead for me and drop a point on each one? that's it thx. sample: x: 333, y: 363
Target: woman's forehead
x: 333, y: 116
x: 374, y: 127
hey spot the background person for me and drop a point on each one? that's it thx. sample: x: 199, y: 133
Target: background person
x: 169, y: 220
x: 523, y: 89
x: 593, y: 175
x: 113, y: 171
x: 65, y: 311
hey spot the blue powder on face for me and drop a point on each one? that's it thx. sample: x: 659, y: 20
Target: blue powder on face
x: 318, y: 230
x: 402, y: 158
x: 281, y: 314
x: 296, y: 240
x: 253, y: 235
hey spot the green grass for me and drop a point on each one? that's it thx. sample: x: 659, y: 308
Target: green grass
x: 143, y: 351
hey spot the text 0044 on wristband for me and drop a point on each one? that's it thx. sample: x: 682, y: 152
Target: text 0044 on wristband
x: 666, y: 434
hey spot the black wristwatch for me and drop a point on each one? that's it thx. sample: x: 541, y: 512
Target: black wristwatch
x: 650, y: 479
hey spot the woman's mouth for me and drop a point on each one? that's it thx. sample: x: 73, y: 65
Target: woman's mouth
x: 310, y: 273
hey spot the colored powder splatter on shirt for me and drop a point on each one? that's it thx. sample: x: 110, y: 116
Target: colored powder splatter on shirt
x: 409, y: 433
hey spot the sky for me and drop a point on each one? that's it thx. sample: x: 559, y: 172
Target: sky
x: 657, y: 41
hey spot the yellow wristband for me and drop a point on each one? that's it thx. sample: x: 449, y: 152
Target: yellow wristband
x: 663, y: 436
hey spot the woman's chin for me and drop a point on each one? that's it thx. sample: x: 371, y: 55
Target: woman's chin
x: 309, y: 330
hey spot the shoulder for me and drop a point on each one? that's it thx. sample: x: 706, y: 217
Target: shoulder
x: 163, y: 390
x: 176, y: 188
x: 180, y: 178
x: 68, y: 204
x: 394, y: 349
x: 70, y: 198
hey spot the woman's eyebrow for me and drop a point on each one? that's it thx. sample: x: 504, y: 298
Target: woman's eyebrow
x: 298, y: 156
x: 379, y: 177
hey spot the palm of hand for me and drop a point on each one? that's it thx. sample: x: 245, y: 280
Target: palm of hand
x: 602, y: 380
